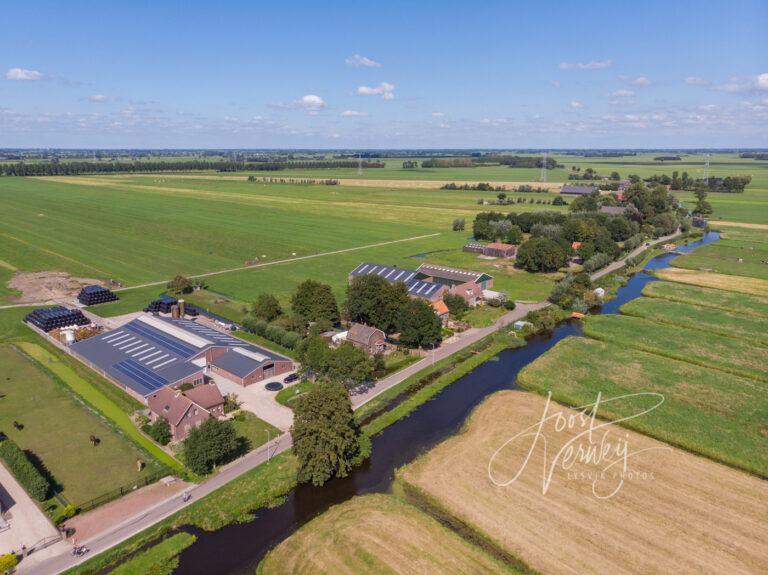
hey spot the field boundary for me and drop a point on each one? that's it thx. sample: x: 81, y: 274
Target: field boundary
x: 286, y: 260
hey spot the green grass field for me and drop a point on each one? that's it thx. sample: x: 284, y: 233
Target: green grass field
x: 717, y: 414
x: 160, y: 559
x: 702, y: 348
x: 57, y: 427
x: 707, y: 297
x: 745, y: 328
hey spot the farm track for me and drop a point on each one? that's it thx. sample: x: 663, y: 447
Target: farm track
x: 286, y: 260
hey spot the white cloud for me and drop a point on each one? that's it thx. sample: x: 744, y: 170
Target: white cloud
x: 99, y: 98
x: 576, y: 105
x: 385, y: 90
x: 357, y: 61
x: 438, y: 114
x: 555, y: 83
x: 444, y: 126
x: 23, y: 75
x: 622, y: 94
x: 708, y: 107
x: 640, y: 81
x: 696, y: 81
x: 758, y: 83
x: 353, y: 114
x: 311, y: 103
x: 594, y: 65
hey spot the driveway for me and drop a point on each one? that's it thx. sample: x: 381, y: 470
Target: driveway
x: 27, y: 525
x: 258, y: 400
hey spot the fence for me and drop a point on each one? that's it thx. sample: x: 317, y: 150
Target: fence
x: 120, y: 491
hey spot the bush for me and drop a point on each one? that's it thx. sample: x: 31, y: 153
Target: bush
x: 26, y: 474
x: 8, y: 562
x: 160, y: 431
x: 212, y: 443
x: 596, y: 262
x: 493, y: 302
x: 509, y: 304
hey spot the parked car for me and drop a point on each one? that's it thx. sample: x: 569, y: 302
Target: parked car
x: 291, y: 378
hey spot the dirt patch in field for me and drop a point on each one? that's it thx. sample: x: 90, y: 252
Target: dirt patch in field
x: 674, y: 512
x: 740, y: 284
x: 47, y: 286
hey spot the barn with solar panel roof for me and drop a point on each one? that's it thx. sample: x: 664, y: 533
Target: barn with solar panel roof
x: 150, y: 353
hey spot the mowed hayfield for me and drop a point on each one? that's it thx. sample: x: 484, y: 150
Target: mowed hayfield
x: 707, y: 411
x: 746, y: 328
x: 706, y: 349
x: 708, y: 297
x: 675, y: 512
x: 57, y: 427
x: 377, y: 534
x: 737, y: 284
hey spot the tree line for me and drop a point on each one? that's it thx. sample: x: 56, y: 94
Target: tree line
x: 71, y: 168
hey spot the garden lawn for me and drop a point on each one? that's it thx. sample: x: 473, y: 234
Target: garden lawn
x: 255, y: 430
x: 57, y: 427
x: 706, y: 411
x: 717, y: 298
x: 700, y: 348
x: 747, y: 328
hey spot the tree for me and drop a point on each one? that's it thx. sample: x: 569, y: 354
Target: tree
x: 210, y: 444
x: 419, y: 325
x: 179, y: 285
x: 586, y: 203
x: 558, y: 201
x: 325, y: 435
x: 374, y: 301
x: 615, y: 176
x: 348, y: 365
x: 501, y: 196
x: 314, y: 300
x: 499, y: 229
x: 313, y: 355
x: 457, y: 305
x: 458, y: 225
x: 266, y: 307
x: 160, y: 431
x: 540, y: 254
x: 514, y: 235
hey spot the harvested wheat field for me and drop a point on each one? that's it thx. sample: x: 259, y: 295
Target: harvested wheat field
x: 377, y: 534
x: 740, y: 284
x: 677, y: 514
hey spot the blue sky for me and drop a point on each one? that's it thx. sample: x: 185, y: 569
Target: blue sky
x: 394, y: 74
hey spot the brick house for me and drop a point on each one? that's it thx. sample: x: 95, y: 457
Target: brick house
x: 186, y: 410
x: 366, y: 337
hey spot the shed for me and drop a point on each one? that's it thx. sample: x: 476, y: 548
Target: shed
x: 570, y: 189
x: 366, y: 337
x: 500, y: 250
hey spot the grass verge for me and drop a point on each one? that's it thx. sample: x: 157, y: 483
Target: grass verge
x: 161, y: 559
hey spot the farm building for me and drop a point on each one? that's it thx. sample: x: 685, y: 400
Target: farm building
x: 613, y: 210
x: 150, y: 353
x: 474, y: 247
x: 366, y: 337
x: 497, y: 250
x: 572, y: 190
x: 186, y: 409
x: 417, y: 288
x: 95, y: 294
x: 441, y: 310
x: 467, y: 284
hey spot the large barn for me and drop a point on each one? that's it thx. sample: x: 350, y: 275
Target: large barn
x: 150, y: 353
x: 417, y: 288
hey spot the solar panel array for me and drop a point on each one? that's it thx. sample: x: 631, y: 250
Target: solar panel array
x: 145, y: 377
x: 218, y: 337
x: 160, y: 338
x: 392, y: 274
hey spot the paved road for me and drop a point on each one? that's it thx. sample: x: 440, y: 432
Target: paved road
x: 618, y: 264
x: 146, y: 519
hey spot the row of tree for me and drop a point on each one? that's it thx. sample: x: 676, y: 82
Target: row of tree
x: 70, y: 168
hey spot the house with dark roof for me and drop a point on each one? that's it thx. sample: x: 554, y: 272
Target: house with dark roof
x: 365, y: 337
x: 417, y: 288
x: 573, y: 190
x: 185, y: 410
x: 150, y: 353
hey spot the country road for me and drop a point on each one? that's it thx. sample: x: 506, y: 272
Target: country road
x: 118, y: 533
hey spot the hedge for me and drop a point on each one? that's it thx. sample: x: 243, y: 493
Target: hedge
x: 27, y: 474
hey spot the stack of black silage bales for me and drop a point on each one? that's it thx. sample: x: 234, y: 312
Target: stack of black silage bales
x: 94, y: 294
x: 48, y: 319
